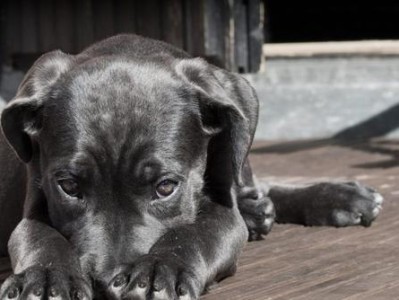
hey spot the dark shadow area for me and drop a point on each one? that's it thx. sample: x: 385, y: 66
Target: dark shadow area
x: 314, y: 20
x: 374, y: 146
x: 376, y: 126
x: 293, y: 146
x: 363, y: 136
x: 385, y: 164
x: 5, y: 268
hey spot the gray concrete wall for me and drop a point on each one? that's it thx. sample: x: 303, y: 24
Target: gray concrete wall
x: 2, y: 103
x: 10, y: 79
x: 320, y: 97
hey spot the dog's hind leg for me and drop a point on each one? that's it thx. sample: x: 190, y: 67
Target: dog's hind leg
x: 255, y: 206
x: 336, y: 204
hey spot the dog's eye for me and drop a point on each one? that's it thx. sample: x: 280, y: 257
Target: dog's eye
x: 70, y: 187
x: 166, y: 188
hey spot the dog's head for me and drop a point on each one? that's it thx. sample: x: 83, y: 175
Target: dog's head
x: 121, y: 149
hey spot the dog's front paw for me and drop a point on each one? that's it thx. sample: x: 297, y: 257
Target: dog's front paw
x: 155, y: 277
x: 257, y: 211
x: 45, y: 283
x: 344, y: 204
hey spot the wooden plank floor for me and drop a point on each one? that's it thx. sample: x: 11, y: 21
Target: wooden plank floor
x: 295, y: 262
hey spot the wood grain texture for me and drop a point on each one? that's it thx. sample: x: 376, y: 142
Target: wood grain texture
x: 298, y: 263
x: 103, y: 16
x: 124, y: 16
x: 46, y: 10
x: 172, y: 22
x: 84, y: 24
x: 241, y: 36
x: 64, y: 30
x: 28, y: 26
x: 255, y: 35
x: 225, y: 32
x: 149, y: 18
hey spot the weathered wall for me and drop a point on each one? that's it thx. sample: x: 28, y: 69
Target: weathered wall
x: 321, y: 97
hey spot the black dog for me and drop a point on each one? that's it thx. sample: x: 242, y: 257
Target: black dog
x: 133, y: 181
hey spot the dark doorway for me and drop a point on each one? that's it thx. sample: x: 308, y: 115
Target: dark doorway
x: 315, y: 20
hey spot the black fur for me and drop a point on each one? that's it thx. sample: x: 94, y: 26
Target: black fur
x: 118, y: 119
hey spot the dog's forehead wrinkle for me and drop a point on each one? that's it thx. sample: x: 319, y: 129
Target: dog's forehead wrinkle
x: 122, y: 74
x: 115, y: 133
x: 119, y: 108
x: 111, y: 131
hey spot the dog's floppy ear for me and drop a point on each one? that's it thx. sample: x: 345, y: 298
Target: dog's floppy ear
x: 21, y: 118
x: 229, y: 110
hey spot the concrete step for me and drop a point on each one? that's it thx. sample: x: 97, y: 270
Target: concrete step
x: 320, y: 97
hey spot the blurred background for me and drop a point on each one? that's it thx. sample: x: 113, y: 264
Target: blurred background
x: 322, y: 69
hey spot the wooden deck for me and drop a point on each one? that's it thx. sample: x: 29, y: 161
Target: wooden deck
x: 295, y: 262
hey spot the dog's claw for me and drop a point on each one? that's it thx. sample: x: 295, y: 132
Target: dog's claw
x: 33, y: 282
x: 38, y: 292
x: 13, y: 293
x: 54, y: 292
x: 343, y: 204
x: 120, y: 280
x: 168, y: 280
